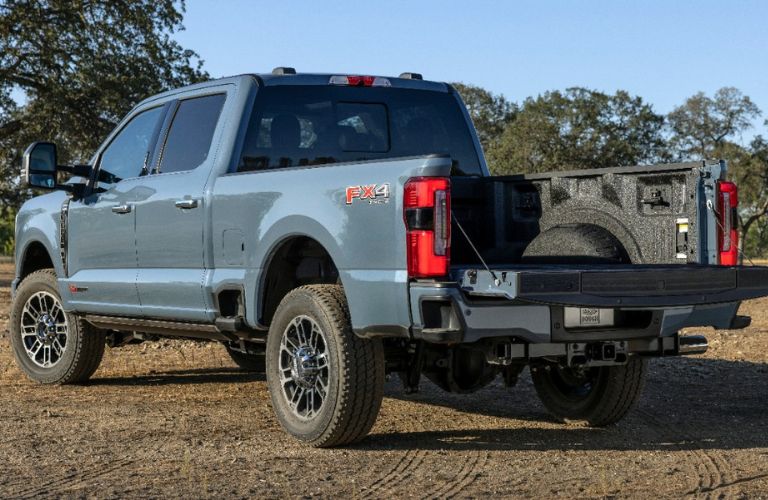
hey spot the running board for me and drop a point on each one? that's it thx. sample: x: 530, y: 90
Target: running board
x: 171, y: 328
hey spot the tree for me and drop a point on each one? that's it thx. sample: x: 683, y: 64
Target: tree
x: 579, y: 128
x: 702, y: 124
x: 490, y: 113
x: 705, y: 127
x: 81, y: 65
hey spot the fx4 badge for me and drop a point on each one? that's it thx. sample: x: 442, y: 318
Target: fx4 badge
x: 373, y: 193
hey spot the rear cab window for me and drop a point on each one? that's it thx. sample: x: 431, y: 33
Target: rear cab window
x: 297, y: 126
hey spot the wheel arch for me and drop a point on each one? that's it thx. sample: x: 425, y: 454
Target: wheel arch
x: 605, y: 222
x: 33, y: 256
x: 296, y: 259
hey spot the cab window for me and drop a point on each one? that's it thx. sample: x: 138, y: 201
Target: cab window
x: 128, y: 152
x: 295, y: 126
x: 191, y: 133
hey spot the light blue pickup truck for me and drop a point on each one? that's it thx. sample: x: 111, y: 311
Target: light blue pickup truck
x: 332, y: 229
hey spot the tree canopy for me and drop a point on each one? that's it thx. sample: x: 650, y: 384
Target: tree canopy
x: 490, y: 113
x: 579, y: 128
x: 702, y: 125
x: 81, y: 65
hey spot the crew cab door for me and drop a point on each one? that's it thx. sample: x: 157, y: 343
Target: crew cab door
x: 171, y: 212
x: 101, y: 248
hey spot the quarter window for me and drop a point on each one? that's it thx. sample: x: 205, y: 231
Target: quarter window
x: 191, y: 133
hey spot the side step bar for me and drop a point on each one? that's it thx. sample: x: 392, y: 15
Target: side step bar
x: 225, y: 330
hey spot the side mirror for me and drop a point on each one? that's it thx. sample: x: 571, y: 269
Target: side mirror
x: 40, y: 169
x: 39, y: 165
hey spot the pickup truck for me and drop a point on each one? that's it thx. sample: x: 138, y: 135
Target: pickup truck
x: 331, y: 230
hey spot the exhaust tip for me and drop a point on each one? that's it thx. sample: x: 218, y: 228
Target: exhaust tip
x: 692, y: 344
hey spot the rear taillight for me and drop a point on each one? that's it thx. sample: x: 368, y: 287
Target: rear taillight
x: 727, y: 234
x: 427, y: 212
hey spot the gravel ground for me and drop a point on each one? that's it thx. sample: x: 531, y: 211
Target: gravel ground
x: 175, y: 419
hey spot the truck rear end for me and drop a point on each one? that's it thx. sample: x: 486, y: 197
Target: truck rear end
x: 580, y: 275
x: 598, y: 249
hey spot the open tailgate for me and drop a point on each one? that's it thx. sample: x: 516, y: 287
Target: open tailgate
x: 621, y: 285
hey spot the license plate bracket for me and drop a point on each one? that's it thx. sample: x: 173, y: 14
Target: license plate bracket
x: 588, y: 317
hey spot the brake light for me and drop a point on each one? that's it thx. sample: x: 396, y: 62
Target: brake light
x: 727, y: 234
x: 427, y: 213
x: 360, y: 81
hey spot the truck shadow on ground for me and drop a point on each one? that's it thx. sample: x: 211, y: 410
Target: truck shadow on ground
x: 687, y: 404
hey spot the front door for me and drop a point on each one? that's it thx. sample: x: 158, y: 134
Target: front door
x: 170, y: 215
x: 101, y: 248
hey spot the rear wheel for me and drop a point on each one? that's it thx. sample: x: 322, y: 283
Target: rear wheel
x: 50, y: 345
x: 598, y: 396
x: 326, y: 384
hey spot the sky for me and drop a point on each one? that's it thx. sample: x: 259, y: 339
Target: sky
x: 663, y: 51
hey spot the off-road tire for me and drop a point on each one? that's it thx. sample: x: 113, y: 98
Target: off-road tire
x: 613, y: 393
x: 575, y: 243
x: 356, y: 370
x: 250, y: 362
x: 85, y: 343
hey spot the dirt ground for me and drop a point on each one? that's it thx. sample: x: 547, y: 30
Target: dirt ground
x: 175, y: 419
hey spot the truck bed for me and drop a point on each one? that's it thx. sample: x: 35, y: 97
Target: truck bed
x: 643, y: 207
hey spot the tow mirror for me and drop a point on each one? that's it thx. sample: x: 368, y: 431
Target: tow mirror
x: 39, y: 165
x: 40, y: 169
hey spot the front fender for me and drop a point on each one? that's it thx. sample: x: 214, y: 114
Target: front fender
x: 39, y: 222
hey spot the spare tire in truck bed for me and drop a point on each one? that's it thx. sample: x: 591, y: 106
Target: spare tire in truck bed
x: 575, y: 244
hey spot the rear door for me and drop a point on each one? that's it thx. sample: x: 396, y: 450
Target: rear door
x: 101, y: 249
x: 170, y: 212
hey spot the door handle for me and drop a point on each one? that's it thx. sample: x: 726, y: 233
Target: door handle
x: 122, y: 209
x: 186, y: 204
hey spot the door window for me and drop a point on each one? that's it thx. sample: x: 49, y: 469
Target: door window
x: 189, y: 139
x: 126, y: 155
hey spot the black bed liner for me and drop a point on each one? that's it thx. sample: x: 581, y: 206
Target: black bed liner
x: 619, y: 286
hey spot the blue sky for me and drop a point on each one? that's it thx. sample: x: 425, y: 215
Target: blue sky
x: 663, y: 51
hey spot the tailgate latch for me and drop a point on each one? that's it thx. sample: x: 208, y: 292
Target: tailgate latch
x: 488, y: 284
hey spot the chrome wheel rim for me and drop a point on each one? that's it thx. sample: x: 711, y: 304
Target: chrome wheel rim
x: 304, y: 367
x: 44, y: 329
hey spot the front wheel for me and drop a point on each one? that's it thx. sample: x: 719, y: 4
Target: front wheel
x: 326, y: 384
x: 598, y: 396
x: 50, y: 345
